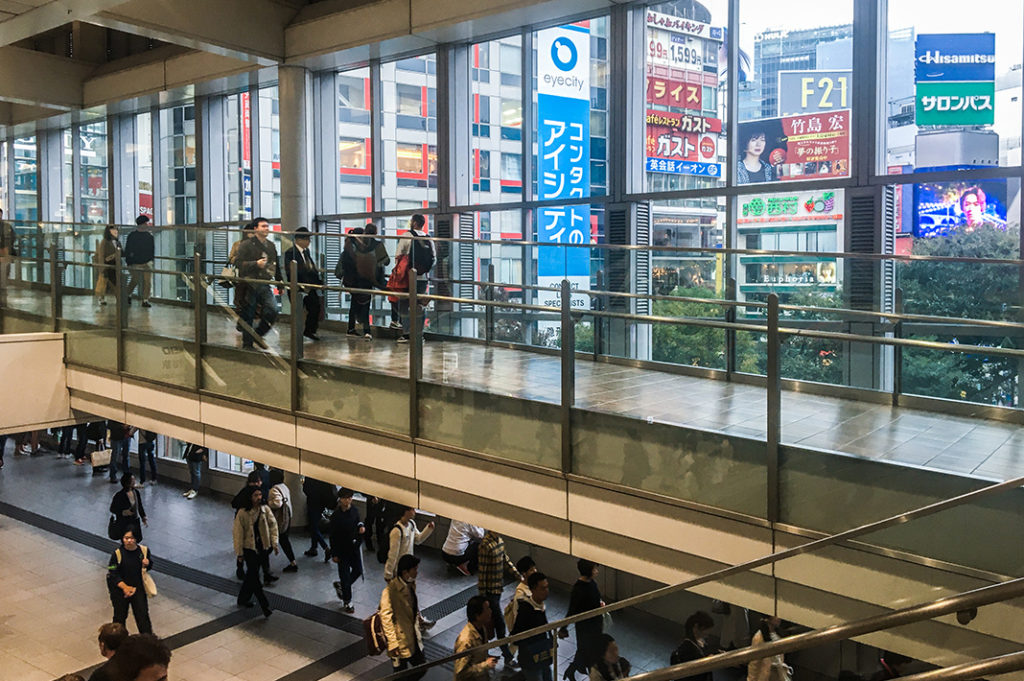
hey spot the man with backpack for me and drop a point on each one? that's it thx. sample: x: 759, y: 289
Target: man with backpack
x: 420, y: 254
x: 359, y: 269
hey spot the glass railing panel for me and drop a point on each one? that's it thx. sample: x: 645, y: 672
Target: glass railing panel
x: 712, y: 468
x: 253, y: 375
x: 160, y: 358
x: 26, y: 305
x: 512, y: 428
x: 829, y: 493
x: 91, y: 345
x: 343, y: 393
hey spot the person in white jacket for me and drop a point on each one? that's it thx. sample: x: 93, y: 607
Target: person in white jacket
x: 255, y: 531
x: 280, y: 503
x: 403, y: 537
x: 773, y: 668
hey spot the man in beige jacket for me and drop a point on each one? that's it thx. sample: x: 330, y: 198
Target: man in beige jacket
x: 478, y: 665
x: 399, y: 614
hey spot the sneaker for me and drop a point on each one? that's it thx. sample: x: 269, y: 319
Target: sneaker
x: 291, y: 568
x: 394, y: 325
x: 186, y: 493
x: 426, y: 624
x: 145, y: 303
x: 368, y: 336
x: 309, y: 552
x: 348, y: 609
x: 463, y: 568
x: 192, y: 494
x: 403, y: 338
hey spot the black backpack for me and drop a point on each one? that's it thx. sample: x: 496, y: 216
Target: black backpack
x: 422, y: 256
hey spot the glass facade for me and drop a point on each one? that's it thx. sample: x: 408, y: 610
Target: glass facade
x: 26, y: 176
x: 94, y: 174
x: 178, y: 157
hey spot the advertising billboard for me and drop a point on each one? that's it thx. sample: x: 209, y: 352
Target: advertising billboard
x: 804, y: 147
x: 943, y: 208
x: 683, y: 144
x: 804, y: 92
x: 670, y: 92
x: 563, y: 156
x: 954, y: 75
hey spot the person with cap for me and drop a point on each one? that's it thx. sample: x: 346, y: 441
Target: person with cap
x: 306, y: 273
x: 345, y: 533
x: 139, y: 253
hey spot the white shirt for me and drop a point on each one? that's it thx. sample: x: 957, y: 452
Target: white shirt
x: 460, y: 534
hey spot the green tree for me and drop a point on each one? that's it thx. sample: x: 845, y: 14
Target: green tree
x: 968, y: 290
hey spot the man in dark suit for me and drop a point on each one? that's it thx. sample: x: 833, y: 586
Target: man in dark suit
x: 307, y: 273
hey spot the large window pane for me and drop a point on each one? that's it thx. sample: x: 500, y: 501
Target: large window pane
x: 144, y: 163
x: 409, y: 132
x: 953, y: 86
x: 354, y: 177
x: 497, y: 121
x: 26, y: 207
x: 794, y: 101
x: 178, y: 153
x: 93, y: 178
x: 684, y: 140
x: 238, y: 156
x: 270, y: 153
x: 67, y: 207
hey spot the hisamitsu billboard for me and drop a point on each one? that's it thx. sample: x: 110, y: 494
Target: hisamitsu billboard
x: 957, y: 57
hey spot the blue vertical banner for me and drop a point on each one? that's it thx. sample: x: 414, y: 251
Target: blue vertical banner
x: 563, y: 156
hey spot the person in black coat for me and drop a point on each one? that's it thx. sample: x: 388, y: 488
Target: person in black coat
x: 129, y: 513
x: 694, y: 646
x: 319, y: 495
x: 124, y: 580
x: 346, y: 534
x: 585, y: 596
x: 139, y: 252
x: 306, y: 273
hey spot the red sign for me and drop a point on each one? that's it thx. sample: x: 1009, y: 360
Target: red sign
x: 669, y: 142
x: 246, y: 131
x: 802, y: 147
x: 668, y: 92
x: 683, y: 122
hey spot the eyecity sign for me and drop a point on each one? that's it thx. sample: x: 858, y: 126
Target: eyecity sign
x: 955, y: 78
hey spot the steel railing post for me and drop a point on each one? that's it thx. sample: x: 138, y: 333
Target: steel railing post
x: 489, y: 309
x: 198, y: 316
x: 415, y: 353
x: 297, y: 322
x: 897, y: 351
x: 54, y: 288
x: 568, y: 354
x: 773, y: 382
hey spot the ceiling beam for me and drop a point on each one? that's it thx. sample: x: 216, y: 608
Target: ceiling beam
x: 251, y: 30
x: 38, y: 79
x: 50, y: 16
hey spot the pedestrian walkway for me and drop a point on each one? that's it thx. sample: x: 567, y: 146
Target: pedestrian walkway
x: 53, y: 595
x: 963, y: 445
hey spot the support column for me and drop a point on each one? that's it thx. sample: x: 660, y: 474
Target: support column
x: 295, y: 94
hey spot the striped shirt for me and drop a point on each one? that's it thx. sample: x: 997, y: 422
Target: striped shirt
x: 492, y: 563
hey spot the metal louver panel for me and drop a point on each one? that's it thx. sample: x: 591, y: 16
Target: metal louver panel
x: 467, y: 257
x: 330, y: 254
x: 642, y: 223
x: 441, y: 275
x: 219, y: 255
x: 617, y: 261
x: 863, y: 220
x: 888, y: 246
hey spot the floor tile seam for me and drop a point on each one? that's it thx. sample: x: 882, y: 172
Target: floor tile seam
x: 188, y: 574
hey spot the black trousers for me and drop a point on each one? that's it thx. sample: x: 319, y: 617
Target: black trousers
x: 286, y: 545
x: 350, y: 568
x: 359, y: 311
x: 311, y: 303
x: 417, y: 658
x: 251, y: 585
x: 498, y: 621
x: 138, y: 602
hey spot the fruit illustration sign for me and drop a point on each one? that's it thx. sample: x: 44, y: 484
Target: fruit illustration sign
x: 794, y: 147
x: 563, y: 157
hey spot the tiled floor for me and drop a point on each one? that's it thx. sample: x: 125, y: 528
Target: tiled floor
x: 954, y: 444
x: 53, y: 595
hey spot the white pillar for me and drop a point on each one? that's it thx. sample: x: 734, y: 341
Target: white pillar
x: 294, y: 92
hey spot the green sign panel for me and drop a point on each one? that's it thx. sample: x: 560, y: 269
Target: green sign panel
x: 956, y: 103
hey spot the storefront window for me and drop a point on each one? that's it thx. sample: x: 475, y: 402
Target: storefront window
x: 94, y: 173
x: 795, y: 91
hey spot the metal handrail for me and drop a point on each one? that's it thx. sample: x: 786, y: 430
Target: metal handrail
x: 1002, y: 664
x: 841, y: 632
x: 840, y: 538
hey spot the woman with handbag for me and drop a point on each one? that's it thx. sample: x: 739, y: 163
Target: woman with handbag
x: 108, y: 257
x: 255, y: 530
x: 127, y: 509
x: 129, y: 582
